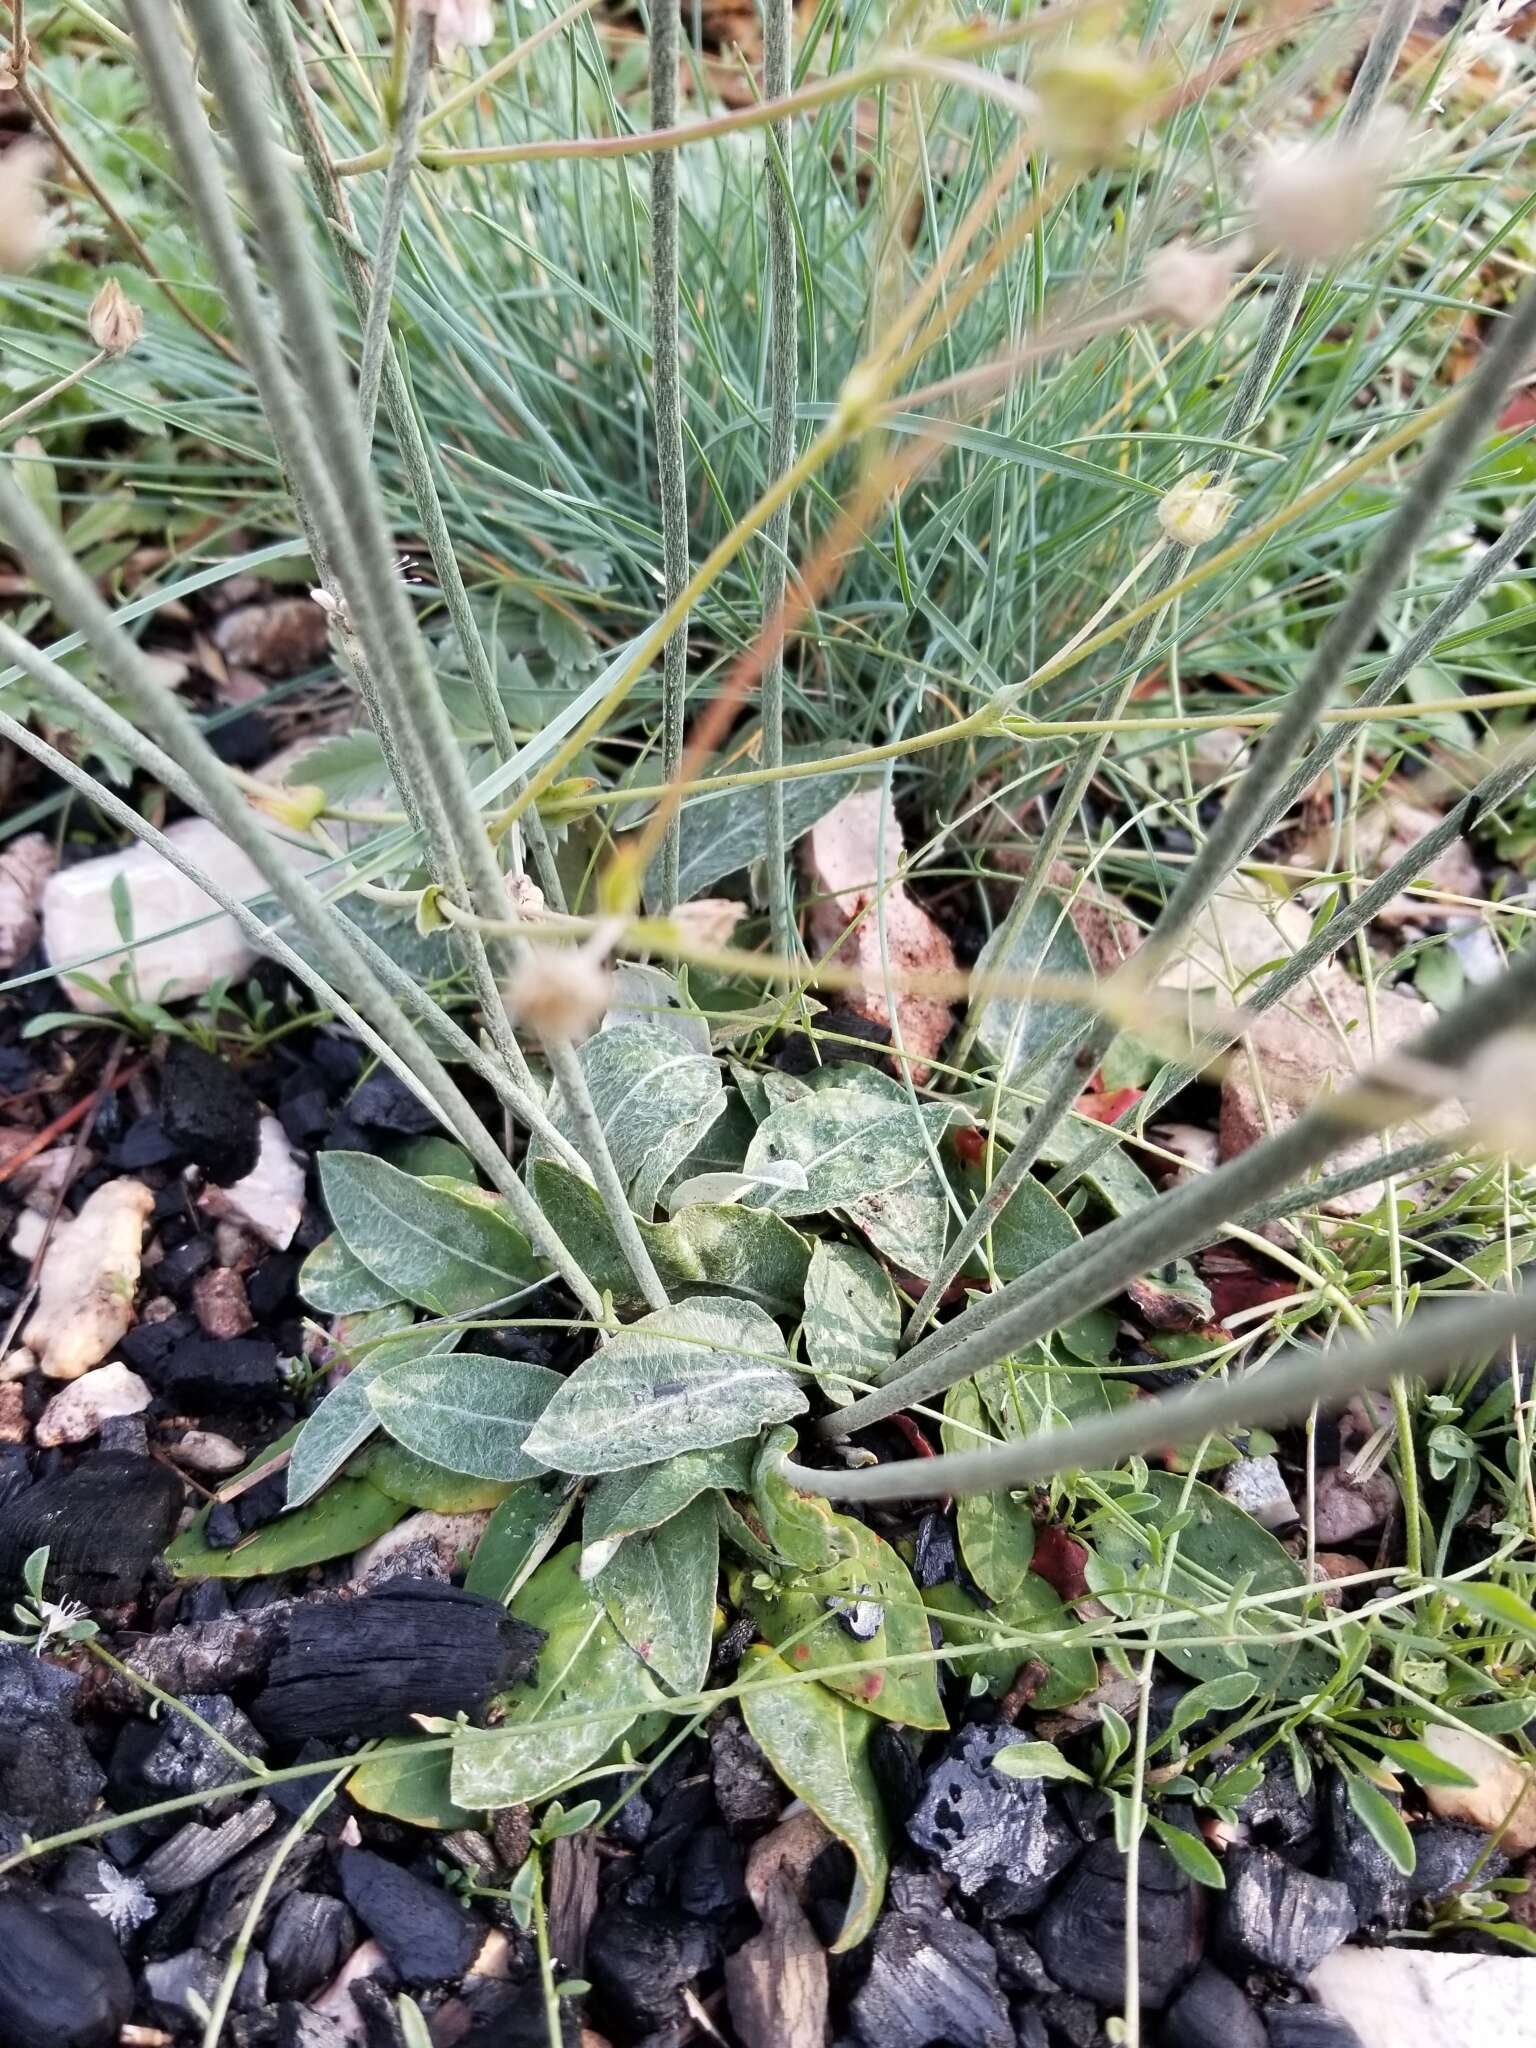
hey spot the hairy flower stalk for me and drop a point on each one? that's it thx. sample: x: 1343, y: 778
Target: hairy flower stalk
x: 671, y: 474
x: 408, y: 700
x: 397, y: 186
x: 1433, y: 1343
x: 293, y: 89
x: 219, y: 798
x: 783, y: 381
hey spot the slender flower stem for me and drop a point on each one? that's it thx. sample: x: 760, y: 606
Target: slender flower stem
x: 783, y: 382
x: 592, y: 1141
x: 397, y: 186
x: 1172, y: 562
x: 1252, y: 808
x: 218, y: 2011
x: 342, y: 967
x: 409, y: 705
x: 1432, y: 1344
x: 668, y: 408
x: 39, y: 399
x: 293, y: 90
x: 417, y: 1001
x: 1084, y: 1276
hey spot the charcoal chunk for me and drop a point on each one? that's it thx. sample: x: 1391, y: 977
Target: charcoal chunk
x: 1307, y: 2026
x: 1211, y: 2012
x: 195, y: 1852
x: 169, y: 1756
x: 103, y: 1524
x: 63, y: 1981
x: 364, y: 1667
x: 310, y: 1938
x: 1448, y: 1854
x: 175, y: 1986
x: 931, y: 1979
x: 148, y: 1343
x: 1278, y: 1813
x: 1280, y: 1917
x: 710, y: 1882
x: 1081, y: 1933
x: 746, y: 1789
x: 384, y: 1103
x: 209, y: 1112
x: 638, y: 1962
x: 1000, y: 1838
x: 48, y: 1777
x: 225, y: 1901
x: 216, y: 1372
x: 428, y: 1937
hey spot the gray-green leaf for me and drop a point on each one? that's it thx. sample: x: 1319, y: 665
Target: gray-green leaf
x: 852, y: 1321
x: 1013, y: 1028
x: 711, y: 1246
x: 851, y: 1142
x: 659, y: 1590
x: 721, y: 834
x: 588, y: 1681
x: 470, y: 1412
x: 647, y: 1495
x: 344, y: 1420
x: 337, y: 1284
x: 819, y: 1745
x: 680, y: 1379
x: 655, y: 1097
x: 446, y: 1246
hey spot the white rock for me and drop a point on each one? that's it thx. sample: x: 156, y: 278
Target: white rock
x: 1255, y: 1485
x: 88, y: 1280
x: 27, y: 1234
x: 17, y: 1363
x: 1242, y: 928
x: 25, y: 866
x: 336, y: 2003
x: 270, y: 1199
x: 80, y: 919
x: 200, y: 1450
x: 86, y: 1403
x: 439, y: 1537
x: 1502, y: 1787
x: 1396, y: 1996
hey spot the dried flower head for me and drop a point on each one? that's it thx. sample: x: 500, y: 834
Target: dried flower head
x: 1501, y: 1093
x: 115, y: 322
x: 467, y: 22
x: 1314, y: 201
x: 1196, y: 510
x: 1186, y: 284
x: 23, y: 215
x: 1093, y: 99
x: 561, y: 992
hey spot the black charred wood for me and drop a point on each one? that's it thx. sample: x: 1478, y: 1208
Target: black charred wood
x: 931, y: 1979
x: 103, y: 1525
x: 63, y: 1981
x: 1081, y: 1933
x: 310, y: 1938
x: 363, y: 1667
x: 428, y: 1937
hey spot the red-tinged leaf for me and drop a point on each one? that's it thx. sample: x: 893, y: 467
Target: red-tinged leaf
x: 1061, y: 1561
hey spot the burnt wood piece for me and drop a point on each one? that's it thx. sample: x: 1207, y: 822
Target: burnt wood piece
x: 63, y: 1982
x: 103, y: 1524
x: 364, y: 1667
